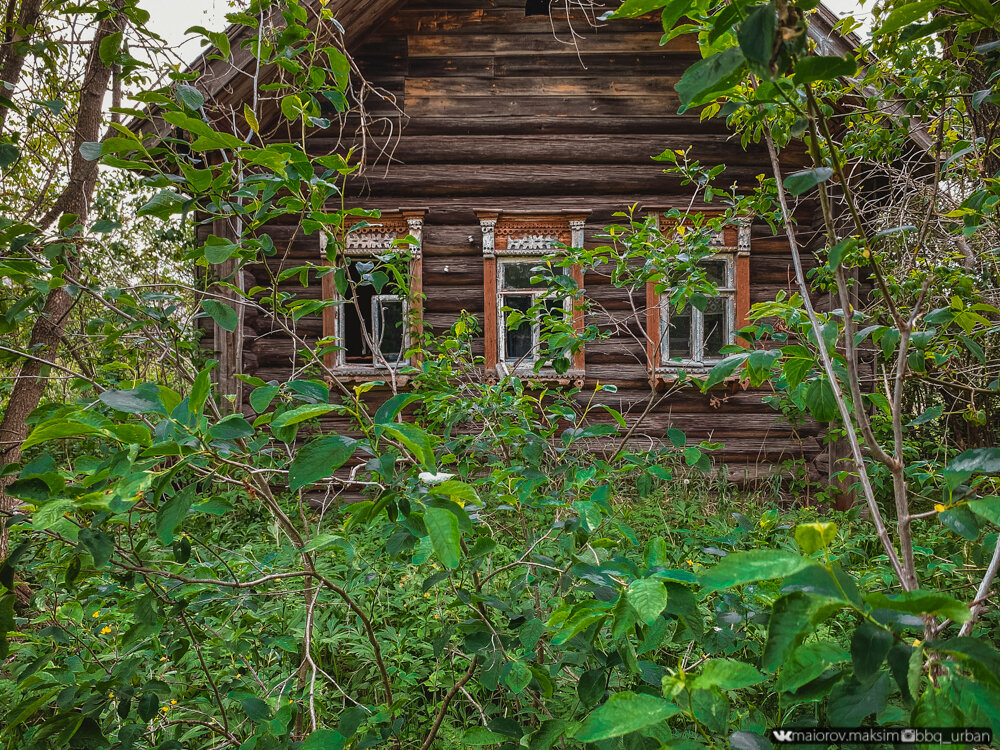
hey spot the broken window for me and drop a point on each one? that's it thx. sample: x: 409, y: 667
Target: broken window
x: 372, y: 318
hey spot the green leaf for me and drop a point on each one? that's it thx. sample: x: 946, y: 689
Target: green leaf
x: 91, y: 150
x: 256, y: 709
x: 416, y: 440
x: 319, y: 459
x: 807, y: 663
x: 518, y: 677
x: 546, y: 735
x: 743, y: 740
x: 756, y: 36
x: 190, y: 97
x: 801, y: 182
x: 56, y: 430
x: 922, y: 603
x: 232, y: 427
x: 709, y: 77
x: 324, y: 739
x: 9, y: 153
x: 812, y: 537
x: 109, y: 46
x: 988, y: 508
x: 648, y: 597
x: 870, y: 645
x: 724, y: 369
x: 6, y: 623
x: 387, y: 412
x: 905, y: 14
x: 851, y: 701
x: 727, y: 674
x: 200, y: 389
x: 976, y: 461
x: 928, y: 415
x: 163, y: 205
x: 219, y: 249
x: 98, y: 544
x: 300, y: 414
x: 442, y: 526
x: 262, y: 397
x: 676, y: 437
x: 170, y: 514
x: 221, y: 313
x: 148, y: 706
x: 756, y: 565
x: 47, y: 515
x: 820, y: 401
x: 623, y: 713
x: 790, y: 622
x: 982, y: 657
x: 824, y: 68
x: 634, y: 8
x: 140, y: 400
x: 480, y: 736
x: 460, y: 492
x: 962, y: 521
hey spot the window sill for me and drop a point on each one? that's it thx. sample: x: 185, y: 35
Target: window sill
x: 669, y: 376
x: 546, y: 375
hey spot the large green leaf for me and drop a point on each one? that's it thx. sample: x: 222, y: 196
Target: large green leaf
x: 300, y: 414
x: 458, y: 491
x: 143, y: 399
x: 518, y: 677
x: 709, y: 77
x: 47, y: 515
x: 170, y: 514
x: 801, y: 182
x: 851, y: 701
x: 324, y: 739
x: 808, y: 662
x: 791, y: 621
x: 6, y: 623
x: 319, y: 459
x: 755, y: 565
x: 221, y: 313
x: 869, y: 646
x: 976, y: 652
x: 189, y: 96
x: 812, y: 537
x: 648, y: 597
x: 54, y: 430
x: 416, y: 440
x: 756, y: 36
x: 962, y: 521
x: 922, y: 603
x: 623, y: 713
x: 724, y: 369
x: 633, y: 8
x: 823, y: 68
x: 163, y: 205
x: 98, y: 544
x: 727, y: 674
x: 442, y: 526
x: 820, y: 401
x: 988, y: 508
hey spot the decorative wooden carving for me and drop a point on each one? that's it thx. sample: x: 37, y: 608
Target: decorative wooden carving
x: 517, y: 234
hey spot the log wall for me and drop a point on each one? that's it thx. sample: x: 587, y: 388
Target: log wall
x: 502, y: 112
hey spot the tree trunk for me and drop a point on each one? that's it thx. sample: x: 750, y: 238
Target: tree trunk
x: 12, y: 56
x: 49, y: 328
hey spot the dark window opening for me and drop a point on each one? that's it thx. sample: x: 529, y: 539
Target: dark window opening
x: 536, y: 8
x: 371, y: 313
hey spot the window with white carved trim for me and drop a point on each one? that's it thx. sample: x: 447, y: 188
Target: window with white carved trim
x: 692, y: 336
x: 695, y: 335
x: 377, y: 284
x: 520, y: 267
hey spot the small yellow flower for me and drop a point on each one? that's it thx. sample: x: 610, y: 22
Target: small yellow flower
x: 866, y: 253
x: 916, y: 643
x: 111, y: 694
x: 436, y: 617
x: 105, y: 630
x: 427, y: 596
x: 96, y: 614
x: 938, y: 507
x: 164, y: 708
x: 238, y: 675
x: 173, y: 703
x: 163, y: 658
x: 690, y: 562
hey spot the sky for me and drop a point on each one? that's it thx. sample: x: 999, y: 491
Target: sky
x: 171, y: 18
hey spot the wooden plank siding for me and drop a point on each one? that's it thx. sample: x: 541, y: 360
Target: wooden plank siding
x: 504, y: 114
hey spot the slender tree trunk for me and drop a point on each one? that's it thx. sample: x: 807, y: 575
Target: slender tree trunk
x: 12, y: 55
x: 49, y: 327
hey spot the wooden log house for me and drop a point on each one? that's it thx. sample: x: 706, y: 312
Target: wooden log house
x: 513, y: 139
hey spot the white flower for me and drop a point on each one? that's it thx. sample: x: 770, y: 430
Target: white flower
x: 428, y: 478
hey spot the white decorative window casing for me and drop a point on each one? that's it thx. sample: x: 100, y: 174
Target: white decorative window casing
x: 370, y: 328
x: 517, y: 247
x: 692, y: 339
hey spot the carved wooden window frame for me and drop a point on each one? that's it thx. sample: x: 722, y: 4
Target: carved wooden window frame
x: 526, y: 236
x: 379, y: 238
x: 732, y: 244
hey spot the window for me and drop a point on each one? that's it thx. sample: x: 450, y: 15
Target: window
x: 692, y: 339
x: 517, y: 252
x: 378, y: 285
